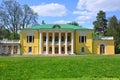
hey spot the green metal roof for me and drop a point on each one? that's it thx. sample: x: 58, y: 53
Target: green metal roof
x: 56, y: 27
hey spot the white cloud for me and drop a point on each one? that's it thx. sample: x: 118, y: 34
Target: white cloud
x: 88, y: 9
x: 62, y: 22
x: 96, y: 5
x: 83, y: 18
x: 52, y: 9
x: 81, y: 22
x: 84, y: 13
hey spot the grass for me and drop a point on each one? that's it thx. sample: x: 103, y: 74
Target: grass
x: 60, y: 68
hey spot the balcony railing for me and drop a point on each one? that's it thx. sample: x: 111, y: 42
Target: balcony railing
x: 103, y: 38
x: 10, y: 41
x: 56, y: 42
x: 44, y: 43
x: 69, y: 43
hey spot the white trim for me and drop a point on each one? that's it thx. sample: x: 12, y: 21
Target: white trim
x: 30, y: 32
x: 84, y: 49
x: 83, y: 33
x: 28, y: 50
x: 28, y: 39
x: 56, y: 30
x: 102, y: 43
x: 104, y: 48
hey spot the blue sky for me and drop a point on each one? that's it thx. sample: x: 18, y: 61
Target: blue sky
x: 63, y: 11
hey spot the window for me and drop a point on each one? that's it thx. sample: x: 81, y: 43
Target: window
x: 50, y: 49
x: 68, y: 48
x: 56, y: 38
x: 44, y: 49
x: 102, y: 49
x: 30, y: 39
x: 44, y: 38
x: 50, y: 38
x: 56, y: 26
x: 63, y: 49
x: 63, y: 39
x: 82, y: 39
x: 30, y: 50
x: 68, y: 38
x: 82, y: 49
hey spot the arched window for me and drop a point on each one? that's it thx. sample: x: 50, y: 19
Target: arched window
x: 56, y: 26
x: 102, y: 49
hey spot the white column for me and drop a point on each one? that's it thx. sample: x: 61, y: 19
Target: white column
x: 40, y: 50
x: 53, y: 43
x: 72, y: 43
x: 46, y: 42
x: 66, y: 43
x: 12, y: 50
x: 59, y: 42
x: 6, y: 48
x: 18, y: 50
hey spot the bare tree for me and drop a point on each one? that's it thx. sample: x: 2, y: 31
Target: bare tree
x: 29, y: 17
x: 13, y: 16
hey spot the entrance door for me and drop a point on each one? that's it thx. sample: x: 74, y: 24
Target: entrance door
x: 102, y: 49
x: 56, y: 50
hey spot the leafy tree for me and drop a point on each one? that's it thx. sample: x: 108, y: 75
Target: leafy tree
x: 4, y: 33
x: 112, y: 26
x: 114, y: 30
x: 117, y: 38
x: 100, y: 25
x: 73, y: 23
x: 13, y: 16
x: 43, y: 22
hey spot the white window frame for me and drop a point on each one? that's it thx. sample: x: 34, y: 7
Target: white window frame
x: 82, y: 49
x: 30, y: 51
x: 28, y: 39
x: 84, y: 39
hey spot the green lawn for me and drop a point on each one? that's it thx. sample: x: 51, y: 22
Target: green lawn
x: 60, y: 68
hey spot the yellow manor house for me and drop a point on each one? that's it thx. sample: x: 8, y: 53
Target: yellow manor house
x: 63, y: 39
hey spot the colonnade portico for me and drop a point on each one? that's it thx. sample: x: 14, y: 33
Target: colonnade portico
x: 59, y: 43
x: 9, y: 47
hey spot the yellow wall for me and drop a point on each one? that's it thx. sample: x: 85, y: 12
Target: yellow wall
x: 109, y: 46
x: 91, y: 46
x: 87, y: 45
x: 25, y: 45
